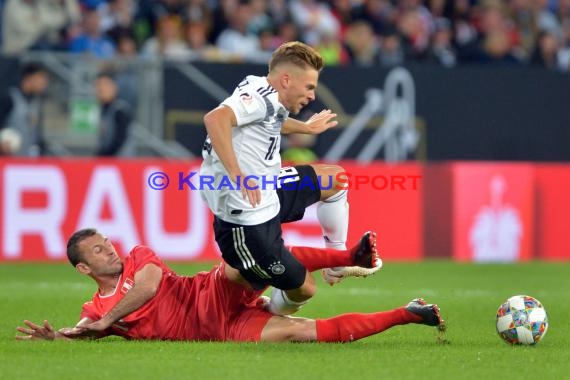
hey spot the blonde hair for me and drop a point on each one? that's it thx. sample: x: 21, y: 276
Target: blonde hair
x: 298, y: 54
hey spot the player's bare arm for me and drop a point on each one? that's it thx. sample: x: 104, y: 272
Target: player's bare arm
x: 147, y: 281
x: 219, y: 123
x: 47, y: 332
x: 318, y: 123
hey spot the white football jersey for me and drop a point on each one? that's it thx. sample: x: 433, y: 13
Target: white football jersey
x: 256, y: 141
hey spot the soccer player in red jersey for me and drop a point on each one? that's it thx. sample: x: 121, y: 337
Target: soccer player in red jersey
x: 142, y: 298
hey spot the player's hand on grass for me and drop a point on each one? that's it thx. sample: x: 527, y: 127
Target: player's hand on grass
x: 85, y: 329
x: 36, y: 332
x: 320, y: 122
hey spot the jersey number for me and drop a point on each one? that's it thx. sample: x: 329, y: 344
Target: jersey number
x: 272, y: 147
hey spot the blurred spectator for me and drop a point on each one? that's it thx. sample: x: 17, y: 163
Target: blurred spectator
x: 298, y: 151
x: 198, y: 11
x: 380, y: 14
x: 424, y: 14
x: 332, y: 50
x: 125, y: 68
x: 497, y: 42
x: 546, y: 51
x: 286, y: 32
x: 314, y: 19
x: 564, y: 52
x: 441, y: 49
x: 415, y: 31
x: 279, y: 12
x: 267, y: 40
x: 21, y: 112
x: 464, y: 32
x: 236, y: 39
x: 343, y: 11
x: 168, y: 42
x: 148, y: 14
x: 221, y: 17
x: 563, y: 10
x: 497, y: 50
x: 525, y: 20
x: 545, y: 19
x: 361, y: 44
x: 115, y: 119
x: 116, y: 14
x: 440, y: 9
x: 126, y: 45
x: 197, y: 42
x: 37, y: 24
x: 91, y: 40
x: 260, y: 20
x: 391, y: 52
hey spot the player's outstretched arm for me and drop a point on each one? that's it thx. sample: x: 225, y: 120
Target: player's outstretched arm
x: 47, y: 332
x: 318, y: 123
x: 147, y: 281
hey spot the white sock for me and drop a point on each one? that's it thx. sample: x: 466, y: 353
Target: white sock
x: 280, y: 304
x: 332, y: 214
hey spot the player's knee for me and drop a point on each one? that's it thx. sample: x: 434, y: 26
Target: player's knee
x: 333, y: 179
x: 304, y: 292
x: 308, y: 290
x: 339, y: 180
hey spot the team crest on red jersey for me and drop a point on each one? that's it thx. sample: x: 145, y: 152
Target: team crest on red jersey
x: 127, y: 285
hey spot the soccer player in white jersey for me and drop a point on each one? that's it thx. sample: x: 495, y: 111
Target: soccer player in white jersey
x: 251, y: 195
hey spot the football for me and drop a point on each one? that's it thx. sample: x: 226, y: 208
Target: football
x: 522, y: 320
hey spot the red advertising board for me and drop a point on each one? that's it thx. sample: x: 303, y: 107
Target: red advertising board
x: 43, y: 201
x: 553, y: 211
x: 492, y: 211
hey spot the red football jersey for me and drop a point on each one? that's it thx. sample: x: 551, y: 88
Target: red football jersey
x: 206, y: 306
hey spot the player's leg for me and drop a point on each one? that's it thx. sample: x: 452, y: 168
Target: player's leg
x: 332, y: 208
x: 362, y: 255
x: 304, y: 185
x: 260, y: 256
x: 284, y: 302
x: 289, y: 329
x: 287, y: 302
x: 333, y: 216
x: 348, y: 327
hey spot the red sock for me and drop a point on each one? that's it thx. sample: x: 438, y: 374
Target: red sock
x: 349, y: 327
x: 319, y: 258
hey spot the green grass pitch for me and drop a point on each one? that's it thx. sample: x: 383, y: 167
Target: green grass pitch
x: 468, y: 295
